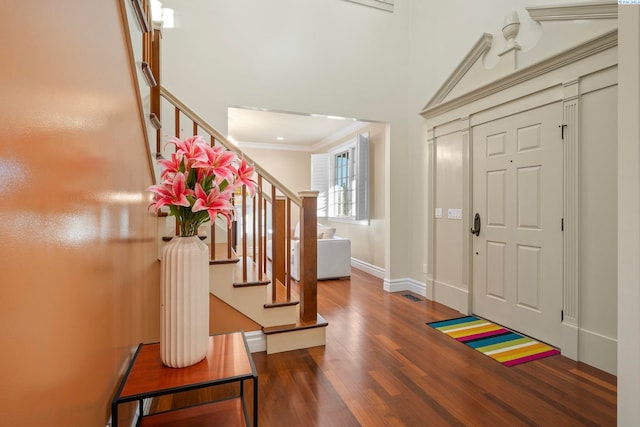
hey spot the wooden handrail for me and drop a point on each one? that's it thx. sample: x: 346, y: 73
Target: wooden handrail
x: 222, y: 140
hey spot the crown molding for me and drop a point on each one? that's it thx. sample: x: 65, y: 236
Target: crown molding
x: 569, y: 12
x: 353, y: 128
x: 272, y: 146
x: 480, y: 48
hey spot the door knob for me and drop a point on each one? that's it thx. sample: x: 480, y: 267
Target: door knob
x: 476, y: 225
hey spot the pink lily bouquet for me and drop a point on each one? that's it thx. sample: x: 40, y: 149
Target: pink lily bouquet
x: 198, y: 183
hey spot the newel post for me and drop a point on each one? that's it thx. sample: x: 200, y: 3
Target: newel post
x: 308, y: 256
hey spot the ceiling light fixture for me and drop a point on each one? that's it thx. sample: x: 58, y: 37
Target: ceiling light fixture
x: 279, y: 138
x: 164, y: 15
x: 167, y: 17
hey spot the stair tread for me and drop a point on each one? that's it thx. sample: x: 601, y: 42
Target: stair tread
x: 222, y: 255
x: 251, y: 283
x: 281, y: 296
x: 168, y: 238
x: 319, y: 322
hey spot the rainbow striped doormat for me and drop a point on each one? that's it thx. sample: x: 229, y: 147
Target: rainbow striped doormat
x: 495, y: 341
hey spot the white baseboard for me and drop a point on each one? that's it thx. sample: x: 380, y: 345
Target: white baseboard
x: 598, y: 350
x: 569, y: 340
x: 374, y: 270
x: 406, y: 284
x: 429, y: 285
x: 451, y: 296
x: 256, y: 341
x: 417, y: 287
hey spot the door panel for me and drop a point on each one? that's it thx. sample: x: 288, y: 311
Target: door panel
x: 496, y: 263
x: 496, y: 194
x: 517, y: 190
x: 528, y: 282
x: 529, y: 197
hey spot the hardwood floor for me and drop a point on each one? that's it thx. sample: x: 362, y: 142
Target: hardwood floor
x: 383, y: 366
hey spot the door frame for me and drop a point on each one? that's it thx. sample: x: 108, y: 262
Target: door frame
x: 545, y: 323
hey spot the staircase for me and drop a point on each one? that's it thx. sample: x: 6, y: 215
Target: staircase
x: 246, y: 276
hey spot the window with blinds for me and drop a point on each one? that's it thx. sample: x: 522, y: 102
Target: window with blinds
x: 344, y: 182
x: 341, y: 177
x: 320, y: 181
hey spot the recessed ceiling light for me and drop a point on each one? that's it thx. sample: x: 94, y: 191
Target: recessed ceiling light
x: 279, y: 138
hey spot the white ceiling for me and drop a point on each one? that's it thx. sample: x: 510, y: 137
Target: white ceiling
x: 258, y: 128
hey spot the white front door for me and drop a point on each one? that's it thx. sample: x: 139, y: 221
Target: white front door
x: 517, y: 192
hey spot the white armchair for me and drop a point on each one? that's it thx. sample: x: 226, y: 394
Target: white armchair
x: 334, y: 254
x: 334, y: 258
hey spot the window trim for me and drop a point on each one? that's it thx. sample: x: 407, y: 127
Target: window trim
x: 358, y: 147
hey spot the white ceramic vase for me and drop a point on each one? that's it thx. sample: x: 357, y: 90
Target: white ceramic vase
x: 184, y: 299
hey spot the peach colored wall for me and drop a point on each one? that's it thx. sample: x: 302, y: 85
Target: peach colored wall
x: 77, y: 255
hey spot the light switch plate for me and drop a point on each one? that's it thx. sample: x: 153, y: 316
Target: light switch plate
x: 454, y: 213
x: 438, y: 212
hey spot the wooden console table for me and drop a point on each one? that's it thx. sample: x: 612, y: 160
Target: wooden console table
x: 228, y: 360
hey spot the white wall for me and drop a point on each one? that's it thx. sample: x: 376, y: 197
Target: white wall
x: 292, y: 168
x: 448, y: 233
x: 628, y: 217
x: 598, y: 253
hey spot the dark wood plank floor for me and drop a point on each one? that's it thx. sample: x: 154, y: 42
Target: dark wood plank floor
x: 383, y: 366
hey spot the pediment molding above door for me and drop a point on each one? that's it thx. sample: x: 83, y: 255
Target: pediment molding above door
x: 478, y: 50
x: 439, y: 104
x: 475, y: 78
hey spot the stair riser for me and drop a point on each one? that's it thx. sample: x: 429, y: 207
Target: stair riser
x: 295, y: 340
